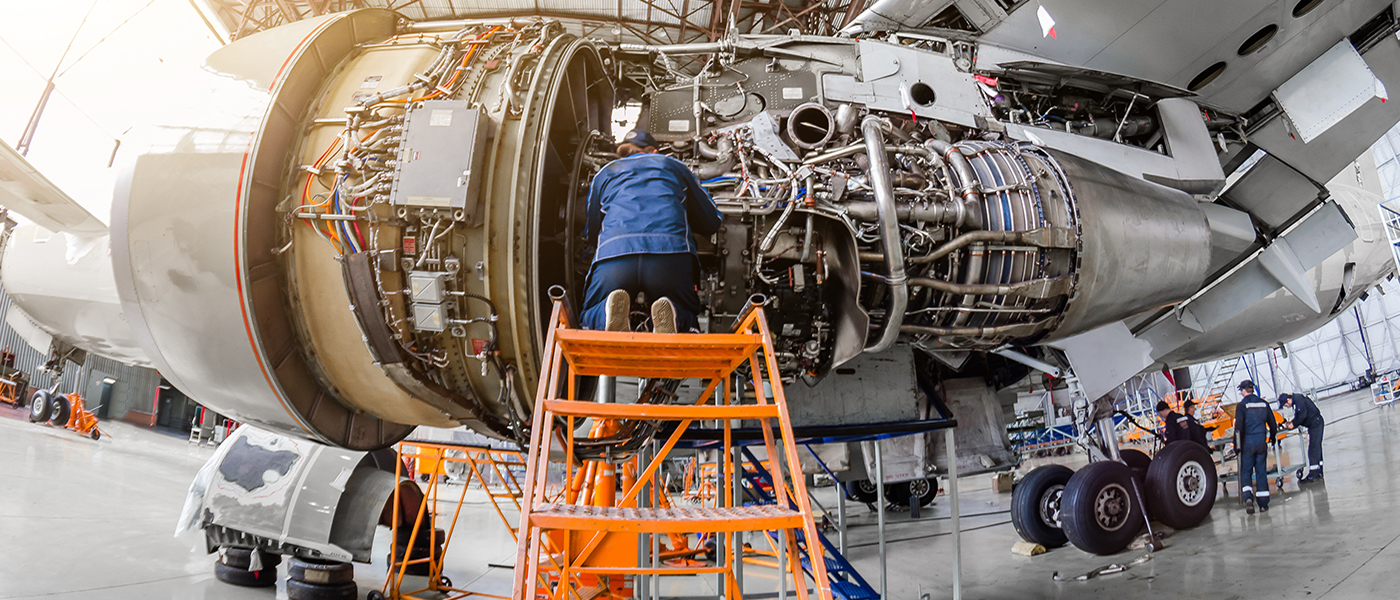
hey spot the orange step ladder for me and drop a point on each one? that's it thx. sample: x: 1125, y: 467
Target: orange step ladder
x: 558, y: 554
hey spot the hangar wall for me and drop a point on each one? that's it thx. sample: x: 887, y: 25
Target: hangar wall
x: 133, y: 392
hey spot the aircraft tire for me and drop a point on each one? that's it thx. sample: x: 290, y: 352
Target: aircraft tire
x: 1099, y: 512
x: 1037, y: 505
x: 1181, y: 485
x: 62, y: 409
x: 40, y: 405
x: 862, y: 490
x: 922, y: 490
x: 241, y: 576
x: 301, y: 590
x: 320, y: 572
x: 1138, y: 461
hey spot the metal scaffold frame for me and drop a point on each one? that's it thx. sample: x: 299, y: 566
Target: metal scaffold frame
x: 578, y: 546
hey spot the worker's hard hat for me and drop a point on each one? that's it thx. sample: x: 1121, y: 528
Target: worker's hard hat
x: 1162, y: 405
x: 1247, y: 384
x: 639, y: 137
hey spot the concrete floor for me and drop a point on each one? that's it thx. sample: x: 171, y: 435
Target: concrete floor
x: 84, y: 519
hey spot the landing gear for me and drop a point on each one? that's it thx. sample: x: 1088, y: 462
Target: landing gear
x: 863, y: 491
x: 40, y: 404
x: 1181, y: 485
x: 1098, y: 510
x: 1036, y: 505
x: 905, y: 493
x: 1138, y: 461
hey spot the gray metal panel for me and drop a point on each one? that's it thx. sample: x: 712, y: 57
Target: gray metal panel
x: 871, y: 388
x: 444, y: 141
x: 1327, y: 90
x: 1326, y: 155
x: 890, y: 74
x: 1272, y: 192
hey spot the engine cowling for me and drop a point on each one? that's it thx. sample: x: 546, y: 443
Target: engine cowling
x: 351, y: 229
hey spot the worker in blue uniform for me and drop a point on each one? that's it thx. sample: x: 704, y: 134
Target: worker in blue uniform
x: 1305, y: 414
x: 1255, y: 429
x: 643, y: 211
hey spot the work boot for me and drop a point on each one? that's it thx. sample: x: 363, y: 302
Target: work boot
x: 1249, y: 503
x: 1263, y: 508
x: 617, y: 309
x: 663, y: 316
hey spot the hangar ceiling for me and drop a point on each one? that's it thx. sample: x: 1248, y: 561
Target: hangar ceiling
x: 636, y: 21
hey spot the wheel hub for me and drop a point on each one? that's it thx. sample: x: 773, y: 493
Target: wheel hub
x: 918, y: 488
x: 1050, y: 505
x: 1191, y: 483
x: 1112, y: 507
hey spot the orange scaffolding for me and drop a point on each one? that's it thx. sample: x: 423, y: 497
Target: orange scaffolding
x: 584, y: 545
x: 478, y: 463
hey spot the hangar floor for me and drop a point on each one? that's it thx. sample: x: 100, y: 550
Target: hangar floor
x: 84, y: 519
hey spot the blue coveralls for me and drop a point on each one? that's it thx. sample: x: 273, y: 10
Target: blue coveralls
x: 1305, y: 414
x: 644, y: 210
x: 1254, y: 427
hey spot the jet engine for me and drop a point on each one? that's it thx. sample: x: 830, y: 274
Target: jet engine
x: 348, y: 225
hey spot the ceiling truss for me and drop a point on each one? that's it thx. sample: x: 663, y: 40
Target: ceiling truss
x: 636, y: 21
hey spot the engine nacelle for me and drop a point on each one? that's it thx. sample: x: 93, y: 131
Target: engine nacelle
x: 352, y: 229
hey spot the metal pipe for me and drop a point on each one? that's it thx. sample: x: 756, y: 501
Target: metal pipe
x: 947, y: 212
x: 841, y: 517
x: 950, y: 441
x: 1033, y: 288
x: 889, y: 233
x: 1108, y: 432
x: 967, y: 177
x: 1033, y: 363
x: 1016, y: 330
x: 842, y: 152
x: 772, y: 236
x: 738, y: 493
x: 725, y: 157
x: 1045, y: 237
x: 880, y: 516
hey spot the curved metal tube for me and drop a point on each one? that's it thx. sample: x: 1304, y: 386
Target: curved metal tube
x: 971, y: 237
x: 725, y: 157
x: 1015, y: 330
x: 971, y: 186
x: 889, y: 232
x: 767, y: 243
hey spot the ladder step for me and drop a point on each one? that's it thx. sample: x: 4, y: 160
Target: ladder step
x: 664, y: 412
x: 853, y: 591
x: 669, y: 356
x: 665, y: 520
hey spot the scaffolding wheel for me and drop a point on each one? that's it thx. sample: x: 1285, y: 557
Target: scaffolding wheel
x: 95, y: 434
x: 374, y: 595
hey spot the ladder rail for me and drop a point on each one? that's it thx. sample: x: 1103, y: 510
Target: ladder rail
x: 610, y: 353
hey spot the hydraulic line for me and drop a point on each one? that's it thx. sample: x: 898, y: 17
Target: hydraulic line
x: 895, y: 278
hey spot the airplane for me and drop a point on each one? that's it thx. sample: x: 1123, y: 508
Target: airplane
x: 352, y: 225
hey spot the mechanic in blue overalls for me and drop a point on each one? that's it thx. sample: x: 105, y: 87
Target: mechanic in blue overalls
x: 1305, y: 414
x: 644, y: 209
x: 1255, y: 429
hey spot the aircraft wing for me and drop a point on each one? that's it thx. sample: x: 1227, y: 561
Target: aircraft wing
x: 27, y: 192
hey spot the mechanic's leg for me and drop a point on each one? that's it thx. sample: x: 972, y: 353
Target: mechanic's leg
x: 1315, y: 450
x: 1261, y: 479
x: 1244, y: 480
x: 672, y: 276
x: 617, y: 273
